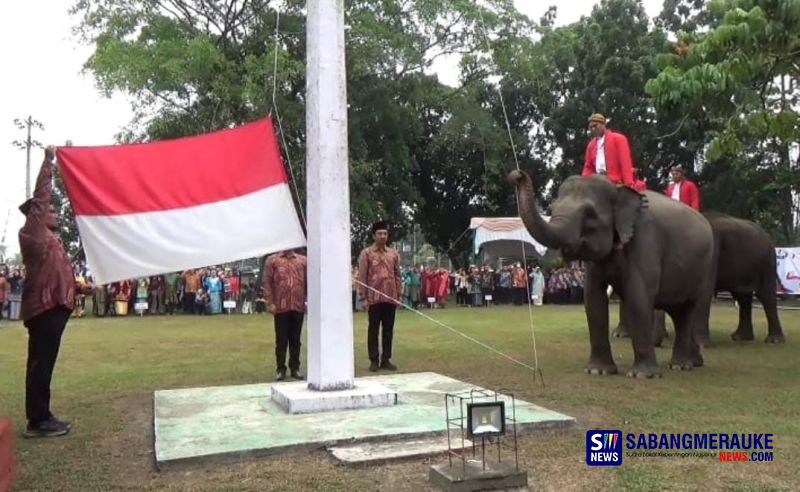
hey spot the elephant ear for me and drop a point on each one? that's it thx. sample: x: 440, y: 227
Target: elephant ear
x: 626, y: 210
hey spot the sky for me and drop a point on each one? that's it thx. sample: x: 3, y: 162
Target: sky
x: 43, y: 79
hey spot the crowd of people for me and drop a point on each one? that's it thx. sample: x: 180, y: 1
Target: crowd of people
x: 202, y: 291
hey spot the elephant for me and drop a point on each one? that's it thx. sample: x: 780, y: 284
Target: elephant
x: 745, y: 263
x: 656, y: 253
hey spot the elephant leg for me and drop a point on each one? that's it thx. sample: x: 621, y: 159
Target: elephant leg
x: 596, y: 304
x: 681, y: 349
x: 621, y: 331
x: 659, y: 327
x: 766, y: 294
x: 639, y: 317
x: 744, y: 332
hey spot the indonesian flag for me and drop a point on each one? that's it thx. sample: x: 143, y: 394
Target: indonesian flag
x: 168, y: 206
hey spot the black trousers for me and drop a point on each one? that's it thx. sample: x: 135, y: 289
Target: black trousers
x: 44, y: 341
x: 288, y: 327
x: 188, y: 302
x: 381, y: 315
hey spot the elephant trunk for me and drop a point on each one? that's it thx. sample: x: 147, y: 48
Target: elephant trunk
x: 545, y: 233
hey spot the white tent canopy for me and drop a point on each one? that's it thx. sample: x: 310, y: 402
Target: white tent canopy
x: 504, y: 232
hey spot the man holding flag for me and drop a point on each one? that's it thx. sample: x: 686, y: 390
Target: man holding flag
x: 47, y: 301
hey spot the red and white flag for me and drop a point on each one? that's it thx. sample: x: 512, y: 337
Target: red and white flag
x: 166, y: 206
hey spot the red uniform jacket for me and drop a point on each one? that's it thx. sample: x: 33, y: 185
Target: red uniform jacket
x: 619, y: 167
x: 690, y: 195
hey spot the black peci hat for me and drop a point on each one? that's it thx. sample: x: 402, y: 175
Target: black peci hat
x: 380, y: 226
x: 26, y: 207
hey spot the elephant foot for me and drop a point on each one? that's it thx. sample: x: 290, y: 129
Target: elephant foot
x: 738, y: 336
x: 621, y: 332
x: 600, y: 368
x: 681, y: 365
x: 779, y: 338
x: 642, y: 371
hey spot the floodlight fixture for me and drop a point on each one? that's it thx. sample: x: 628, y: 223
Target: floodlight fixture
x: 486, y: 419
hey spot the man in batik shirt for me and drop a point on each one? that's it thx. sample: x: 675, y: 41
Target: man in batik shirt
x: 379, y: 270
x: 285, y: 291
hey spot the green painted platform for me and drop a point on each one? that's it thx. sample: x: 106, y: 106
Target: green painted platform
x: 230, y: 423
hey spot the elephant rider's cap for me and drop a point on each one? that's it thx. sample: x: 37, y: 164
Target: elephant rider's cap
x: 597, y: 118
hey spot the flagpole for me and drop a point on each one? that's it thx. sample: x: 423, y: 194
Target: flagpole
x: 330, y: 319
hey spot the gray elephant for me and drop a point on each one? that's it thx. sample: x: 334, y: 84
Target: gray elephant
x: 653, y: 251
x: 745, y: 263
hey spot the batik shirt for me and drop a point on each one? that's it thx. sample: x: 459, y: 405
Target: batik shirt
x: 285, y: 282
x: 379, y: 268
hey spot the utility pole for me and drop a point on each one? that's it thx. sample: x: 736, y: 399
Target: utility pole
x: 27, y: 124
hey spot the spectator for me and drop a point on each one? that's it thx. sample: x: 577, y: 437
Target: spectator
x: 213, y: 287
x: 156, y: 294
x: 538, y: 286
x: 171, y: 286
x: 5, y: 289
x: 520, y: 284
x: 17, y: 286
x: 191, y: 285
x: 142, y: 293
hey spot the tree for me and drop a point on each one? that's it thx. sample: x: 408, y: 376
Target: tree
x: 742, y: 78
x: 195, y: 66
x: 599, y: 64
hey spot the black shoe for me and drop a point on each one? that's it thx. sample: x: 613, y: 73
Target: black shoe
x: 280, y: 375
x: 298, y: 375
x: 373, y: 366
x: 49, y: 428
x: 388, y: 366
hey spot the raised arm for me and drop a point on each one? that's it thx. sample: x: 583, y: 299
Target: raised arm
x: 42, y: 194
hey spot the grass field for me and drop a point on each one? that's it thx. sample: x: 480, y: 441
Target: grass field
x: 109, y: 368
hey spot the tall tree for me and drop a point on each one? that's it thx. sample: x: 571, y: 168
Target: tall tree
x: 742, y: 77
x: 195, y: 66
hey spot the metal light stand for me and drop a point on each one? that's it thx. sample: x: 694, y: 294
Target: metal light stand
x: 456, y: 421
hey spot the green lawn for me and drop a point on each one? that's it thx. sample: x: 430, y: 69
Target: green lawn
x: 108, y: 369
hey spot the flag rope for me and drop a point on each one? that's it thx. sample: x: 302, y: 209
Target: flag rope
x: 538, y: 370
x: 280, y: 123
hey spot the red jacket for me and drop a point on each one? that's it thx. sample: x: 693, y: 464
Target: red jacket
x: 619, y: 166
x: 690, y: 195
x: 640, y: 185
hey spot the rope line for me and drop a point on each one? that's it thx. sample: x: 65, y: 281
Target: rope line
x: 538, y: 370
x: 280, y: 123
x: 450, y: 328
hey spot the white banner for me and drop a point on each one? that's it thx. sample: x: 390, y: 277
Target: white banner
x: 788, y: 270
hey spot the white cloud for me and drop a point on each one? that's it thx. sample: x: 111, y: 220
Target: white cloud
x: 42, y: 79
